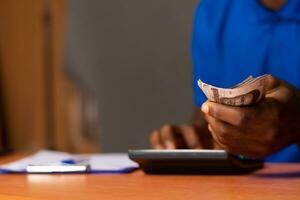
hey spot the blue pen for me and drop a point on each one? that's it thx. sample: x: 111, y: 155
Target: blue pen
x: 69, y: 161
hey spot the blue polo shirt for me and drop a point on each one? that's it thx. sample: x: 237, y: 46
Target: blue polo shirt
x: 233, y: 39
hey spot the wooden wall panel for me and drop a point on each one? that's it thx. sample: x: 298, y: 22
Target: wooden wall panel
x: 44, y: 107
x: 23, y: 72
x: 60, y: 139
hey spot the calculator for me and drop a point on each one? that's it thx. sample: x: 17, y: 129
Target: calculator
x: 185, y: 161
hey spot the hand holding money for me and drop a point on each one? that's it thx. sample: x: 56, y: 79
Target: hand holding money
x: 268, y: 125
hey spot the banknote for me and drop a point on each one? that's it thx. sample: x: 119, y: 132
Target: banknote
x: 248, y: 92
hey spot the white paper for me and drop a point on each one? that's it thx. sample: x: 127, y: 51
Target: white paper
x: 112, y: 162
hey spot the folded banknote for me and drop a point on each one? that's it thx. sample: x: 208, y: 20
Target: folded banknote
x: 248, y: 92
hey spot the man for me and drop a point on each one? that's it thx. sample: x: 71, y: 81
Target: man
x: 232, y: 40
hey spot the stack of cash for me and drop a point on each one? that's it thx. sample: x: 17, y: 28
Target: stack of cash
x: 248, y: 92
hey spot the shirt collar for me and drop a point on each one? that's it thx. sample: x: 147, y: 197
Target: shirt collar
x: 259, y: 13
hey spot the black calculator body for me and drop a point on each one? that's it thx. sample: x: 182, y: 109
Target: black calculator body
x: 192, y: 162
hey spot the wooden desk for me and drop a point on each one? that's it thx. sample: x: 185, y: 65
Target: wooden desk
x: 276, y: 181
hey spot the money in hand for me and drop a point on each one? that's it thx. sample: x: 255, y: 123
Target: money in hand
x: 248, y: 92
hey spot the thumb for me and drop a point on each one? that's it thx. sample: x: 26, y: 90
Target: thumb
x: 271, y: 83
x: 278, y: 89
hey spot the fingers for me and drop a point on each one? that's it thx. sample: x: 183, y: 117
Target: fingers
x: 271, y: 83
x: 168, y: 137
x: 155, y: 140
x: 280, y: 90
x: 230, y: 139
x: 229, y: 114
x: 222, y: 132
x: 191, y: 137
x: 182, y: 137
x: 222, y: 112
x: 178, y: 137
